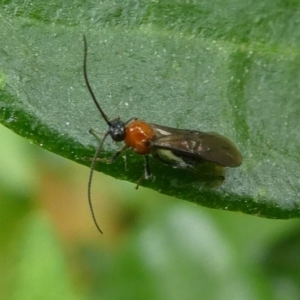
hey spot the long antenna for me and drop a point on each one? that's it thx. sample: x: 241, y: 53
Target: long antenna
x: 90, y: 181
x: 94, y: 160
x: 88, y: 84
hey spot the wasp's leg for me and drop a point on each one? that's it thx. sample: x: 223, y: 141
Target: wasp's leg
x: 113, y: 158
x: 96, y: 134
x: 147, y: 174
x: 109, y: 160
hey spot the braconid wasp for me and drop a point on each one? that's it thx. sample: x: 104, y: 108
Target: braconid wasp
x: 178, y: 148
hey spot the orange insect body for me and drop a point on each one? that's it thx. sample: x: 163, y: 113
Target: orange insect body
x: 138, y: 135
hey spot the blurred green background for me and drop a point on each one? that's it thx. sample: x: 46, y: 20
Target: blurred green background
x: 153, y: 247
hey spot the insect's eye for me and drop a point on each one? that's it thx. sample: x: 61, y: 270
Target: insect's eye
x: 117, y: 134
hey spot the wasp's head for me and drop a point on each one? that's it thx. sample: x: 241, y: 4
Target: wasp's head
x: 117, y: 130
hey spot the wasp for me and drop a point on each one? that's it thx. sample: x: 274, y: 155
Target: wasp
x: 178, y: 148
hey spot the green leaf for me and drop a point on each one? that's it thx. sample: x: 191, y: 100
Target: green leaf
x: 41, y: 264
x: 225, y: 66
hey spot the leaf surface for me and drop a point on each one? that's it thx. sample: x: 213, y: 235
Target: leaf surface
x: 226, y: 66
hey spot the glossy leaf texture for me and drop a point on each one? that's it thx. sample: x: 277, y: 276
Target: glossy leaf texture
x: 226, y: 66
